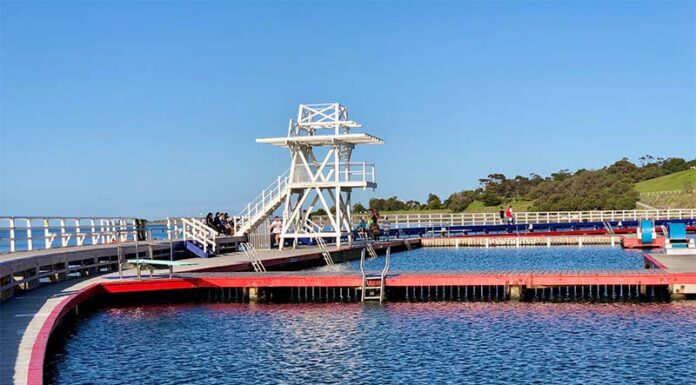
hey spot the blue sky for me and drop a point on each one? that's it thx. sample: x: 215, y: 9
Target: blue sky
x: 151, y: 108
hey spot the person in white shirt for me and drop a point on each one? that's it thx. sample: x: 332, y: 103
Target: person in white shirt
x: 276, y: 228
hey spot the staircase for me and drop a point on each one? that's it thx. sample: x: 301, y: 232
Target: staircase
x: 264, y: 204
x: 373, y: 283
x: 253, y: 256
x: 199, y: 237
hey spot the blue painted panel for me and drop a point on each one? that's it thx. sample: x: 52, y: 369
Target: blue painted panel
x: 677, y: 231
x: 646, y: 230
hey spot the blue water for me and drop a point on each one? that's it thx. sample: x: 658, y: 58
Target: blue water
x: 519, y: 259
x: 436, y: 342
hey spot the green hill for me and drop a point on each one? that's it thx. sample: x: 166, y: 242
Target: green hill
x: 683, y: 180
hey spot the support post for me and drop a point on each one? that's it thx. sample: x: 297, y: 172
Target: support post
x: 515, y: 293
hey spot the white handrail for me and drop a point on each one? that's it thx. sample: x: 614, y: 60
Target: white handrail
x: 21, y: 233
x: 197, y: 230
x: 259, y: 205
x: 401, y: 221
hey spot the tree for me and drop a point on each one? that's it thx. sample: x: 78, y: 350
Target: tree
x: 590, y: 190
x: 561, y: 175
x: 459, y: 201
x: 672, y: 165
x: 433, y: 202
x: 376, y: 203
x: 359, y: 208
x: 490, y: 198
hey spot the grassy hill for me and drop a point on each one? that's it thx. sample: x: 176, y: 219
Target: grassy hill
x: 478, y: 207
x: 677, y: 181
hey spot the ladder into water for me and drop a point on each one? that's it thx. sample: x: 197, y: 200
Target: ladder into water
x: 253, y: 256
x: 371, y: 250
x: 373, y: 283
x: 324, y: 250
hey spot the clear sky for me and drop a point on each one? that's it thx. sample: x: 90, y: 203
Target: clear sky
x: 151, y: 108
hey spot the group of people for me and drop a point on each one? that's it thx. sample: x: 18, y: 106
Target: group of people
x: 506, y: 216
x: 220, y: 222
x: 370, y: 229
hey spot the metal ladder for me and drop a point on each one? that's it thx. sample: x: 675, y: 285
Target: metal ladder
x: 370, y: 290
x: 324, y: 250
x: 253, y: 256
x: 607, y: 226
x: 371, y: 250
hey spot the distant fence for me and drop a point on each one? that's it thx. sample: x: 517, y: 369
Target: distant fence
x: 670, y: 192
x: 32, y: 233
x: 401, y: 221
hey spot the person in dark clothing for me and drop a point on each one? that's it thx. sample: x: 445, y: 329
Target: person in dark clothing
x: 501, y: 213
x: 216, y: 223
x: 374, y: 215
x: 140, y: 224
x: 209, y: 220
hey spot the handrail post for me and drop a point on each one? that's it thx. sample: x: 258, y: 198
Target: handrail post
x: 78, y: 239
x: 29, y: 238
x: 47, y: 236
x: 12, y: 235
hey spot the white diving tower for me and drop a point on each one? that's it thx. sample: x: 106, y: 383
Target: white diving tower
x: 321, y: 175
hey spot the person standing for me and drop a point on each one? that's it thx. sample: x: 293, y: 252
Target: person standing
x: 501, y: 213
x: 508, y: 215
x: 276, y: 229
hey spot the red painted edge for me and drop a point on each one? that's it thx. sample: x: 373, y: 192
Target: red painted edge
x: 635, y: 243
x: 35, y: 373
x: 653, y: 261
x: 626, y: 230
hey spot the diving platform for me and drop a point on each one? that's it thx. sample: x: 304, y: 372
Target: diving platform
x: 322, y: 140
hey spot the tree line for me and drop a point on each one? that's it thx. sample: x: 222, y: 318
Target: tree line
x: 609, y: 188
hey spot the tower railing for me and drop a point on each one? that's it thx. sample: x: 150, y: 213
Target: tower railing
x: 347, y: 172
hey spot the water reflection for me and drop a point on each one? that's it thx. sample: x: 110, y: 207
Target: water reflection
x: 440, y: 342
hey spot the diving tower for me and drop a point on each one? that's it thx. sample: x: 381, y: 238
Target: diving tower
x: 321, y: 176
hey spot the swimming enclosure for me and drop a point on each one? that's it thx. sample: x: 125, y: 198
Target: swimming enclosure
x: 434, y: 342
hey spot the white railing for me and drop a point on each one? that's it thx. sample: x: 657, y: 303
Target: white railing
x: 400, y: 221
x: 195, y: 229
x: 267, y: 200
x: 26, y: 233
x: 357, y: 172
x: 346, y: 171
x: 670, y: 192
